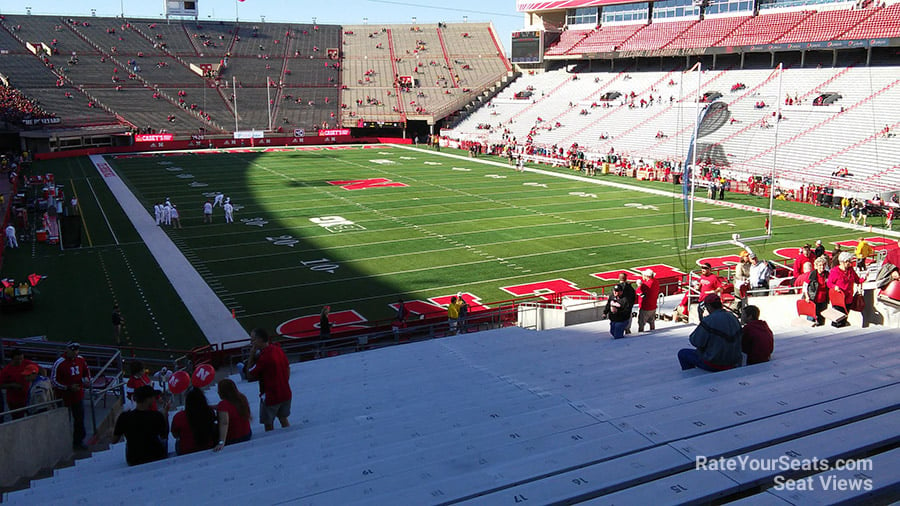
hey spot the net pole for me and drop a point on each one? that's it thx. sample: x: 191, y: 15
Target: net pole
x: 234, y: 93
x: 699, y: 67
x: 775, y: 151
x: 269, y: 101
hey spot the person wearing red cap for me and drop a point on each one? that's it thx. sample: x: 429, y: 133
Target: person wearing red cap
x: 69, y: 376
x: 13, y: 379
x: 648, y: 288
x: 717, y: 340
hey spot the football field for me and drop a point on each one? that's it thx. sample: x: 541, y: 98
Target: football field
x: 358, y: 228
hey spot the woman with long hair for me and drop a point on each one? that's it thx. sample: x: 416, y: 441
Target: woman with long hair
x: 234, y: 415
x: 194, y: 428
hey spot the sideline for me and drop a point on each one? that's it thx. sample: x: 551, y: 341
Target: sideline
x: 211, y: 315
x: 678, y: 195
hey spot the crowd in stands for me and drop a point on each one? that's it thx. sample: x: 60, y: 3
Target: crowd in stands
x: 15, y: 106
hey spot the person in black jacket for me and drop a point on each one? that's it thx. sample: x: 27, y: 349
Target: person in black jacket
x: 632, y: 296
x: 618, y: 310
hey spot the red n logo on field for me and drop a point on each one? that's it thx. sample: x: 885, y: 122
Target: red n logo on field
x: 472, y: 301
x: 549, y: 287
x: 363, y: 184
x: 308, y: 326
x: 438, y: 305
x: 614, y: 275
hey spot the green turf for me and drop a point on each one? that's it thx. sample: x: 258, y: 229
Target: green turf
x: 449, y: 230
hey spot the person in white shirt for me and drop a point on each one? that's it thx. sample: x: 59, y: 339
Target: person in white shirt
x: 157, y: 212
x: 11, y: 240
x: 167, y: 213
x: 207, y: 212
x: 219, y: 198
x: 176, y: 218
x: 229, y: 212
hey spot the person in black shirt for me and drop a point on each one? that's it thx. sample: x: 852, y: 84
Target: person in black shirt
x: 324, y: 323
x: 145, y: 430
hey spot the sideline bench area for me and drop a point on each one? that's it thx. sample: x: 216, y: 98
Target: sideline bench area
x: 560, y: 416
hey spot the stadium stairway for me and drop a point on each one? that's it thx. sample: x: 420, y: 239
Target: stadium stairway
x: 563, y: 415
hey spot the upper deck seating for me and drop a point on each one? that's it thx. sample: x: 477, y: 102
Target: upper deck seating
x: 656, y: 35
x: 884, y: 22
x: 825, y: 26
x: 707, y: 32
x: 567, y: 41
x: 764, y: 28
x: 606, y: 38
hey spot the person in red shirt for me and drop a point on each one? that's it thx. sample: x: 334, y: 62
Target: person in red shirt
x: 269, y: 364
x: 13, y: 380
x: 137, y: 379
x: 194, y: 428
x: 234, y: 415
x: 69, y: 376
x: 709, y: 282
x: 757, y: 340
x: 804, y: 254
x: 648, y: 289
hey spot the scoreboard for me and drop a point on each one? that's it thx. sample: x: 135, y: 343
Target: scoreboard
x: 527, y: 47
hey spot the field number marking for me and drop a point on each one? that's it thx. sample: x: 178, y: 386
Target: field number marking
x: 321, y: 265
x: 283, y: 240
x: 642, y: 206
x: 585, y: 195
x: 713, y: 221
x: 254, y: 222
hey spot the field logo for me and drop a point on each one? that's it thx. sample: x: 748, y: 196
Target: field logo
x: 336, y: 224
x: 308, y: 326
x: 364, y: 184
x: 669, y: 277
x: 549, y: 290
x: 437, y: 306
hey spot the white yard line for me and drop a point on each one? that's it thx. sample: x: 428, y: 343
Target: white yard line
x: 211, y: 315
x: 88, y: 181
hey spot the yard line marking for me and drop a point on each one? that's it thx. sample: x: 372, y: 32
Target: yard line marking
x: 96, y: 199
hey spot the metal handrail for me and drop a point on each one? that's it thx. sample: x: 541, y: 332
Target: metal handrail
x: 30, y: 409
x: 117, y: 384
